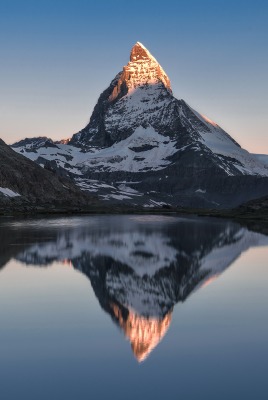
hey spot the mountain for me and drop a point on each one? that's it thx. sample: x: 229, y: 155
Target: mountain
x: 34, y: 143
x: 263, y: 158
x: 144, y: 146
x: 24, y: 185
x: 139, y: 267
x: 256, y: 209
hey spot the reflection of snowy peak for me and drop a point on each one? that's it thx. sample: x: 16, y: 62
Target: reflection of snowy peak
x: 145, y: 254
x: 166, y: 152
x: 139, y: 269
x: 147, y: 270
x: 143, y: 333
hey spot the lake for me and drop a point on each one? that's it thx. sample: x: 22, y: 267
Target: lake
x: 132, y: 307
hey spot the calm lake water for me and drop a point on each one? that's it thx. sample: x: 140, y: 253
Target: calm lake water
x: 132, y: 307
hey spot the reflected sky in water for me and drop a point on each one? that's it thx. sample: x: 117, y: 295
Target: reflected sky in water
x: 132, y: 307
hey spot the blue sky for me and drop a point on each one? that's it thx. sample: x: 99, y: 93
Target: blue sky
x: 57, y: 57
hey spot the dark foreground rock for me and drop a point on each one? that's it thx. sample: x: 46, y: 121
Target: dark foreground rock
x: 25, y: 186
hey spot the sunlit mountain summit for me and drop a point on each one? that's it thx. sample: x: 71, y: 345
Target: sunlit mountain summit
x: 144, y: 146
x: 139, y: 267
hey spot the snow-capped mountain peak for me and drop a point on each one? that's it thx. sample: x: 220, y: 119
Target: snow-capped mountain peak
x: 139, y: 52
x: 142, y: 69
x: 161, y: 149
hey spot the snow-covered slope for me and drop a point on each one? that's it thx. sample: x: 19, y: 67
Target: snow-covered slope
x: 140, y: 134
x: 221, y: 144
x: 263, y: 158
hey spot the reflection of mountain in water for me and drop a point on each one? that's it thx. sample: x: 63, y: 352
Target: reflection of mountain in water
x: 144, y: 333
x: 139, y: 269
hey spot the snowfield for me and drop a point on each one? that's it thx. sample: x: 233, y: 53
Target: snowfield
x: 126, y: 155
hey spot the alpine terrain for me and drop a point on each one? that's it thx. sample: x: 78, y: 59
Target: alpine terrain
x: 143, y: 146
x: 25, y: 186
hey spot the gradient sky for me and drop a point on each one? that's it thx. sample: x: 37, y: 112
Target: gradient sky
x: 56, y: 57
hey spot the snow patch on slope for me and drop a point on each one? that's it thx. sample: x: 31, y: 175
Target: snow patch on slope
x: 144, y: 149
x: 8, y: 192
x: 64, y: 155
x: 139, y: 106
x: 263, y: 158
x: 220, y: 143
